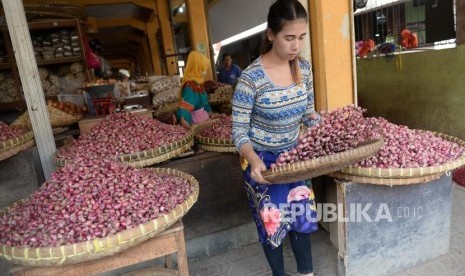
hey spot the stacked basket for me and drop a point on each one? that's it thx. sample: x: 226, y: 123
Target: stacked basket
x: 209, y: 143
x: 401, y: 176
x: 11, y: 147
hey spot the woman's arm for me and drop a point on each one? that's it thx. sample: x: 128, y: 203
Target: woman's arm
x: 311, y: 117
x: 186, y: 106
x: 242, y: 105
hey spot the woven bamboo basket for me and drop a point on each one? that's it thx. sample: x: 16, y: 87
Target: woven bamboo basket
x: 231, y: 149
x: 7, y: 153
x: 385, y: 181
x: 157, y: 151
x: 212, y: 144
x: 57, y: 117
x: 160, y: 158
x: 102, y: 247
x: 16, y: 141
x: 155, y: 154
x: 410, y: 172
x: 322, y: 165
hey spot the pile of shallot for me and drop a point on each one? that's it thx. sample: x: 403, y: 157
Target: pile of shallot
x: 409, y: 148
x: 90, y: 199
x: 122, y: 133
x: 7, y: 132
x: 339, y: 130
x: 221, y: 129
x: 344, y: 129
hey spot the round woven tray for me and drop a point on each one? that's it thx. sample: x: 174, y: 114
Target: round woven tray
x: 110, y: 245
x: 16, y: 141
x: 4, y: 154
x: 160, y: 158
x: 217, y: 148
x: 410, y: 172
x: 156, y: 154
x: 385, y: 181
x: 322, y: 165
x: 156, y: 151
x: 210, y: 141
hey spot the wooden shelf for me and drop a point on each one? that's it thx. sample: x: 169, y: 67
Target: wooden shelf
x: 13, y: 105
x: 4, y: 66
x: 59, y: 60
x: 48, y: 24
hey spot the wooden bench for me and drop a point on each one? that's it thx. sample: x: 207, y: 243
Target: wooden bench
x: 163, y: 245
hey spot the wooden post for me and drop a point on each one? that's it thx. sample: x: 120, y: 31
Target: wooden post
x: 332, y: 53
x: 306, y: 51
x: 197, y: 22
x: 151, y: 35
x: 30, y: 80
x: 167, y: 36
x: 460, y: 15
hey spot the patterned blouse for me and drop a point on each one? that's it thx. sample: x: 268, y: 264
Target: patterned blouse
x: 194, y: 98
x: 268, y: 116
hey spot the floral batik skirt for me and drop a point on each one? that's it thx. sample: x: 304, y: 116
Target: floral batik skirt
x: 279, y: 208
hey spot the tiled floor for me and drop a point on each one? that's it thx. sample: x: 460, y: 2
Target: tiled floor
x: 250, y: 260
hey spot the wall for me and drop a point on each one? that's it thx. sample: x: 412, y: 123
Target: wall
x: 428, y: 94
x: 230, y: 17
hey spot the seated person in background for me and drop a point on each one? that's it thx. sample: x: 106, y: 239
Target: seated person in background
x: 193, y: 105
x: 229, y: 72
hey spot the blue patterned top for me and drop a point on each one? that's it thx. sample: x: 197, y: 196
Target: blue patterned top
x: 269, y: 116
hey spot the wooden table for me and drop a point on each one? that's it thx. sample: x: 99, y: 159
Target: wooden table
x: 163, y: 245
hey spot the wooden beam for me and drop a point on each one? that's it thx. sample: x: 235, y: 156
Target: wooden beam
x: 197, y: 22
x: 167, y: 36
x: 149, y: 4
x: 30, y: 81
x: 147, y: 56
x: 117, y: 37
x: 332, y: 54
x: 122, y: 21
x: 151, y: 29
x: 460, y: 15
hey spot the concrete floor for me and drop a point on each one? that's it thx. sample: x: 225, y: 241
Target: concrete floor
x: 250, y: 260
x: 243, y: 255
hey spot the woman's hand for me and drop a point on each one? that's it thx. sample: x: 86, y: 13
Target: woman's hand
x: 255, y: 162
x: 256, y: 168
x: 184, y: 123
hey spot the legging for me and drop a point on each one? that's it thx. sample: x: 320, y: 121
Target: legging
x: 300, y: 243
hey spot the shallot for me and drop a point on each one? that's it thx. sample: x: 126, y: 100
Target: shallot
x: 8, y: 132
x: 88, y: 199
x: 122, y: 133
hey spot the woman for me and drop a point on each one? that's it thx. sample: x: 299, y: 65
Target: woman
x: 193, y: 106
x: 273, y: 96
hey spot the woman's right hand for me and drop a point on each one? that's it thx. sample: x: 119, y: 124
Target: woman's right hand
x: 256, y: 168
x: 184, y: 123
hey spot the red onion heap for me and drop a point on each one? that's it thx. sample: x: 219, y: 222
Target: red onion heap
x: 90, y: 199
x: 122, y: 133
x: 7, y: 132
x: 409, y: 148
x: 222, y: 129
x: 338, y: 130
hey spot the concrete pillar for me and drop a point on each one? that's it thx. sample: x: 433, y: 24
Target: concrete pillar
x: 167, y: 36
x: 333, y: 61
x: 460, y: 15
x: 197, y: 22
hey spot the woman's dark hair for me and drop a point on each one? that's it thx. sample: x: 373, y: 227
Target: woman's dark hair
x: 280, y: 12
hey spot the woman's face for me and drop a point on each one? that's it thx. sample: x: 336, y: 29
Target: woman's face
x: 290, y: 40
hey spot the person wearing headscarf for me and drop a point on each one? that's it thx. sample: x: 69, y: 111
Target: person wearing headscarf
x: 193, y: 105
